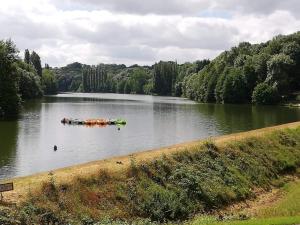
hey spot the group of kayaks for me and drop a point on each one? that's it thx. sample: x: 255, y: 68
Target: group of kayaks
x: 93, y: 122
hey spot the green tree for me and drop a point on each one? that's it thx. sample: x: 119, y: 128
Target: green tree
x: 9, y: 97
x: 265, y: 94
x: 120, y: 86
x: 49, y: 82
x: 148, y: 88
x: 232, y: 76
x: 178, y: 89
x: 234, y: 87
x: 27, y: 56
x: 127, y: 87
x: 29, y: 82
x: 164, y: 77
x: 36, y: 62
x: 278, y: 71
x: 138, y: 80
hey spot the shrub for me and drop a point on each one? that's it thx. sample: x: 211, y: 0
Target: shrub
x: 162, y: 204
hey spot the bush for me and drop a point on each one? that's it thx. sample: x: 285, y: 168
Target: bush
x: 161, y: 204
x: 265, y: 94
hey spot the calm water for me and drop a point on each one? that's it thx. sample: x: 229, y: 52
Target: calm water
x: 26, y: 144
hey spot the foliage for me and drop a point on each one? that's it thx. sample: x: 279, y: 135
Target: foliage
x: 69, y: 78
x: 30, y: 83
x: 232, y: 88
x: 19, y: 80
x: 49, y: 82
x: 116, y: 78
x: 265, y: 94
x: 36, y: 62
x: 164, y: 76
x: 9, y: 96
x: 27, y: 56
x: 94, y: 79
x: 233, y: 75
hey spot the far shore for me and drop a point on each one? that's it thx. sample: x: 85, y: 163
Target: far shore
x: 117, y: 165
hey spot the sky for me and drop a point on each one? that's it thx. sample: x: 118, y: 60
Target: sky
x: 141, y: 31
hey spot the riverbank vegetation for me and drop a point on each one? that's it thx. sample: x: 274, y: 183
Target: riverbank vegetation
x: 174, y: 187
x: 21, y: 79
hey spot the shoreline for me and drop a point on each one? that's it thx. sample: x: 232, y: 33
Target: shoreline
x: 23, y: 185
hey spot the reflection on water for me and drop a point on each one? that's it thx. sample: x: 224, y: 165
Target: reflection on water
x: 8, y: 146
x: 26, y: 144
x: 235, y: 118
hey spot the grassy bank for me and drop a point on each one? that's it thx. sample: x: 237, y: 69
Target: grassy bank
x: 283, y: 207
x: 201, y: 177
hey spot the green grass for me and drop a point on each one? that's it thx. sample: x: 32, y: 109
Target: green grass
x: 173, y: 187
x: 285, y: 211
x: 269, y: 221
x: 289, y: 205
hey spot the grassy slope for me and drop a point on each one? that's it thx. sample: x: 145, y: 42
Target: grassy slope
x: 24, y: 184
x: 285, y: 210
x: 190, y: 179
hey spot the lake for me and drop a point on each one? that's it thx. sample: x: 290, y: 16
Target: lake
x: 26, y: 144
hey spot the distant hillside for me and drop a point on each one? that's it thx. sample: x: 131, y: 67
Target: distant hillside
x: 265, y: 73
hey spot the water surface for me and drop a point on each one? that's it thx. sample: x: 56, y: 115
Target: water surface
x: 26, y: 144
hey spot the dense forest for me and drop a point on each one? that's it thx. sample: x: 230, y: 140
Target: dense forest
x: 265, y: 73
x: 262, y: 73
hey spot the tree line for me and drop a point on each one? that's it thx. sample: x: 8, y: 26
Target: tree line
x: 264, y: 73
x: 21, y: 79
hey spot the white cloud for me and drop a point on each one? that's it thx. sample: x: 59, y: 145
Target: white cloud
x: 134, y: 31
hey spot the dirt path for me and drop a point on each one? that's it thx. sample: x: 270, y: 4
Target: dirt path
x: 24, y: 184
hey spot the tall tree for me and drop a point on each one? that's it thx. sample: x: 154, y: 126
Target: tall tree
x: 164, y: 76
x: 27, y: 56
x: 36, y: 62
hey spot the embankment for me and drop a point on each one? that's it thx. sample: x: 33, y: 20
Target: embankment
x: 166, y: 184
